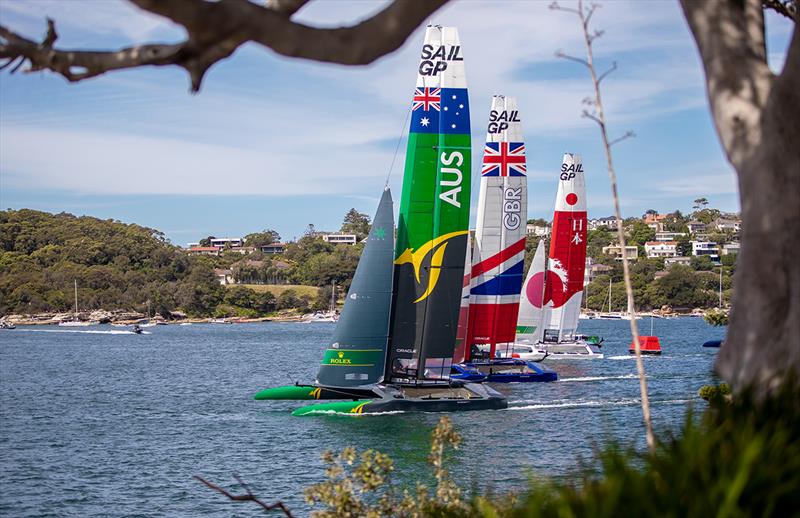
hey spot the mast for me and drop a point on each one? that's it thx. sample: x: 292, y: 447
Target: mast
x: 434, y: 216
x: 76, y: 298
x: 499, y: 255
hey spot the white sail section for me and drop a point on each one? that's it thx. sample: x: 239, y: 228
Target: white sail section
x: 529, y: 323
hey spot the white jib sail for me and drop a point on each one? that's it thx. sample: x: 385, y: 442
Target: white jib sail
x: 529, y: 323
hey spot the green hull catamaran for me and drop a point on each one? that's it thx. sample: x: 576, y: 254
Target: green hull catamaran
x: 393, y: 345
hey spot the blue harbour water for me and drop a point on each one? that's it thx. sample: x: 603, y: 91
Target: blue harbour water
x: 101, y: 422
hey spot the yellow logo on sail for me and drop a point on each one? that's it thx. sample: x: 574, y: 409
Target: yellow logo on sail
x: 358, y: 409
x: 437, y: 245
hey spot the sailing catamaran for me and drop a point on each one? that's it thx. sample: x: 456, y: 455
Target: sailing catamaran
x: 394, y: 342
x: 498, y: 257
x: 551, y: 301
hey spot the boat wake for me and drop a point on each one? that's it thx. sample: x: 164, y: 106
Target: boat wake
x: 351, y: 414
x: 89, y: 331
x: 624, y: 357
x: 600, y: 378
x: 585, y: 404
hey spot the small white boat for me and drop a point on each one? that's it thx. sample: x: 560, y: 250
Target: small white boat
x: 77, y: 322
x: 523, y: 351
x: 219, y: 321
x: 185, y: 324
x: 328, y: 316
x: 572, y: 350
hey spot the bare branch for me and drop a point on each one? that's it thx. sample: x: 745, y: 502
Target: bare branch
x: 589, y: 12
x: 556, y: 7
x: 216, y: 29
x: 585, y: 114
x: 560, y: 54
x: 249, y: 497
x: 628, y: 134
x: 604, y: 74
x: 787, y: 8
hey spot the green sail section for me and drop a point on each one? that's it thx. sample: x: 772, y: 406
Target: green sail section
x: 434, y: 216
x: 357, y: 353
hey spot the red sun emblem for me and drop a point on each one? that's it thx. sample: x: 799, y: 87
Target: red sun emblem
x: 535, y: 293
x: 572, y: 198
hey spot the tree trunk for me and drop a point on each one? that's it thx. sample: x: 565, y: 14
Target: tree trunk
x: 757, y: 117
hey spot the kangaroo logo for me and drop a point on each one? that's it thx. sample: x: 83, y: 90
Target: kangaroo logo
x: 436, y: 247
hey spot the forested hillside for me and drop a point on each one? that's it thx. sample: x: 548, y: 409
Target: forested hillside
x: 117, y: 266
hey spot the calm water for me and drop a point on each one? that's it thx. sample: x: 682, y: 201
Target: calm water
x: 98, y: 422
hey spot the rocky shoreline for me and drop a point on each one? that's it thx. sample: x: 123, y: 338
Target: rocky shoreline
x: 131, y: 317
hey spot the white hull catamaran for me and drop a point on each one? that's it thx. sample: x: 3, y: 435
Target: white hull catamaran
x: 550, y: 304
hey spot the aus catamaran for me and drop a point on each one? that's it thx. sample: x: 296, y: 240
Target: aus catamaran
x: 393, y: 346
x: 498, y: 255
x: 551, y: 295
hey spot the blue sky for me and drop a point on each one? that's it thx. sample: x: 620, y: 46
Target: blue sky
x: 277, y: 143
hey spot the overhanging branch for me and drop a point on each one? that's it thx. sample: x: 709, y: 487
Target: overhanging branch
x: 216, y: 29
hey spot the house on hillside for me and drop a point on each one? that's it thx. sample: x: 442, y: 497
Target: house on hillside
x: 203, y: 250
x: 669, y: 261
x: 593, y: 269
x: 537, y: 230
x: 696, y: 226
x: 224, y: 277
x: 725, y: 225
x: 731, y: 248
x: 340, y: 239
x: 609, y: 223
x: 224, y: 241
x: 655, y: 221
x: 273, y: 248
x: 668, y: 236
x: 631, y: 251
x: 659, y: 249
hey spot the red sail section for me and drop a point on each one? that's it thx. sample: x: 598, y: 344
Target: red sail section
x: 567, y: 257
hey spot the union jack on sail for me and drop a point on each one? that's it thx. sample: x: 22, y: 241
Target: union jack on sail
x: 504, y: 159
x: 427, y: 99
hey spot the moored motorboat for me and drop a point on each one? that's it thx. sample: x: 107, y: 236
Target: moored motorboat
x: 647, y: 345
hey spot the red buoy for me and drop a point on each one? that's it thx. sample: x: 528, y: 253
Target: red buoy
x: 649, y: 345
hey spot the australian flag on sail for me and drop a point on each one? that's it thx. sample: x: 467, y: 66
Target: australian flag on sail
x: 440, y: 110
x: 504, y: 159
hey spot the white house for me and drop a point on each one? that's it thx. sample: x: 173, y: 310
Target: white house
x: 705, y: 248
x: 696, y: 226
x: 669, y: 261
x: 224, y: 277
x: 610, y: 223
x: 731, y: 248
x: 723, y: 224
x: 668, y: 236
x: 340, y: 239
x: 537, y: 230
x: 658, y: 249
x: 222, y: 241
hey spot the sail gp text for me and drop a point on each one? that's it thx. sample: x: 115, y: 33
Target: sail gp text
x: 451, y: 178
x: 434, y: 60
x: 568, y: 170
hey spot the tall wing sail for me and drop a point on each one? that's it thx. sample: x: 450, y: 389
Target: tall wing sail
x: 498, y: 262
x: 463, y: 311
x: 357, y: 353
x: 529, y: 323
x: 567, y: 261
x: 434, y: 216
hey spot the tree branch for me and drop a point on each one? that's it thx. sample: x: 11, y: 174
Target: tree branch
x: 561, y: 55
x: 216, y: 29
x: 249, y: 497
x: 787, y: 8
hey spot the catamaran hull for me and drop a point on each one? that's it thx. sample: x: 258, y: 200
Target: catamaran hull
x: 311, y: 392
x: 571, y: 351
x: 514, y: 371
x: 398, y: 398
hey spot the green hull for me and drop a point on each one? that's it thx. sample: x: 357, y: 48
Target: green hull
x: 308, y: 392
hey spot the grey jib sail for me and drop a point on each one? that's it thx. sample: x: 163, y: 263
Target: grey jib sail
x: 357, y: 353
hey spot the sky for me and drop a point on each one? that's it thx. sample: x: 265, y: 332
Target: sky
x: 278, y: 143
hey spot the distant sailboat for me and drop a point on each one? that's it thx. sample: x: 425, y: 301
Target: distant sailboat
x: 76, y: 321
